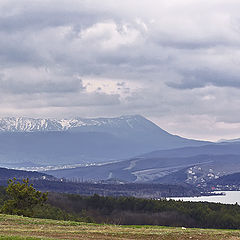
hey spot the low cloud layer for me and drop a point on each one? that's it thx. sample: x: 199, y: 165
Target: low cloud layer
x: 175, y: 62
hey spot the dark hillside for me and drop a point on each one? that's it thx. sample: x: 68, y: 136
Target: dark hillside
x: 229, y: 179
x: 130, y: 190
x: 5, y: 174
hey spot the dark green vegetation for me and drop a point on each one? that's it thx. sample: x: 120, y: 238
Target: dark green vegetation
x: 128, y: 211
x: 23, y: 197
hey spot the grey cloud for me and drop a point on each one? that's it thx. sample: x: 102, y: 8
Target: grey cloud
x: 202, y: 78
x: 121, y: 84
x: 181, y: 56
x: 12, y: 54
x: 45, y: 15
x: 65, y: 100
x: 30, y: 87
x: 193, y: 44
x: 87, y: 99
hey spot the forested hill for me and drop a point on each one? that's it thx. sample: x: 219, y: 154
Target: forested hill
x: 5, y: 174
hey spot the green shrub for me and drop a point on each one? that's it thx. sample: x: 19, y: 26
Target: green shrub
x: 23, y: 197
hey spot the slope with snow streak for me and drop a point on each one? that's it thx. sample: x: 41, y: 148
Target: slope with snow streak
x: 23, y: 124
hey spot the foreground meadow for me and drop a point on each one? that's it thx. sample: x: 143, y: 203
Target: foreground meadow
x: 18, y: 228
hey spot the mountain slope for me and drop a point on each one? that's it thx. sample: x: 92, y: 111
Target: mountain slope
x: 208, y: 149
x: 195, y: 165
x: 64, y: 141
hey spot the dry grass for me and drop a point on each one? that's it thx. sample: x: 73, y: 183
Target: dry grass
x: 18, y: 228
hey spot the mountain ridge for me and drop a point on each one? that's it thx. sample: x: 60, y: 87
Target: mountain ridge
x: 27, y: 124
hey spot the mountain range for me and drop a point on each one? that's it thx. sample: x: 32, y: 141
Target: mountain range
x: 126, y: 149
x: 29, y: 142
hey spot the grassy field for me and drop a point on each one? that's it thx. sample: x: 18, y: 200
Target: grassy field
x: 18, y: 228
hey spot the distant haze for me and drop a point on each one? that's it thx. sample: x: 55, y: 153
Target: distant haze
x: 174, y: 62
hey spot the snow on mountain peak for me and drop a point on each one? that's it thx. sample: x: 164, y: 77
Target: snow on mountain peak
x: 24, y: 124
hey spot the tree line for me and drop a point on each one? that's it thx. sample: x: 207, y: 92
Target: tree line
x: 23, y: 199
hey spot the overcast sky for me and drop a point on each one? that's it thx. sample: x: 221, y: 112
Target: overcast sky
x: 174, y: 62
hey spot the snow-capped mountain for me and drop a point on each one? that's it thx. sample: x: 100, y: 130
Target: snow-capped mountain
x: 79, y: 140
x: 23, y: 124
